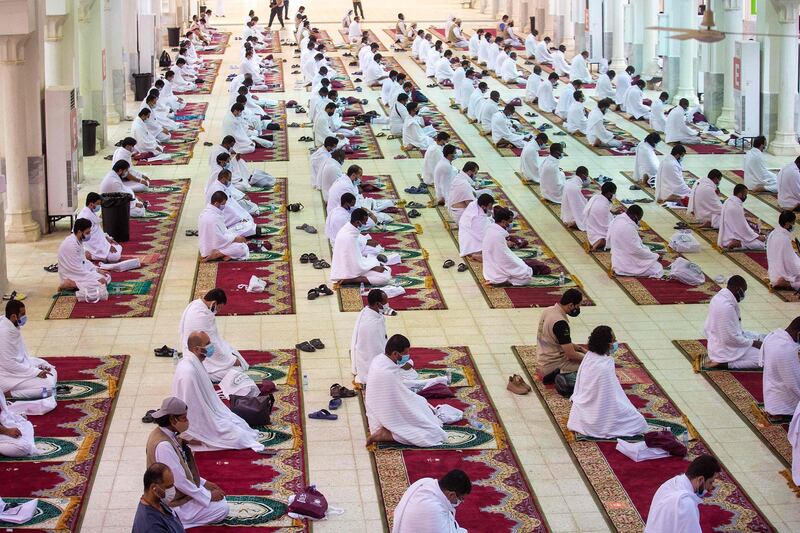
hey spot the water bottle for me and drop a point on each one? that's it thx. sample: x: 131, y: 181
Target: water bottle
x: 305, y: 381
x: 175, y: 357
x: 475, y: 423
x: 561, y: 279
x: 45, y: 392
x: 449, y: 373
x: 361, y: 289
x: 685, y: 438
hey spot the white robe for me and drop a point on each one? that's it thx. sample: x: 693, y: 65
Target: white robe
x: 210, y: 421
x: 368, y: 341
x: 443, y: 176
x: 318, y: 159
x: 530, y: 45
x: 579, y: 70
x: 472, y: 228
x: 214, y: 235
x: 596, y: 129
x: 532, y: 85
x: 634, y: 105
x: 597, y: 218
x: 113, y: 183
x: 348, y: 261
x: 337, y: 218
x: 604, y: 89
x: 18, y: 370
x: 782, y: 261
x: 237, y: 128
x: 415, y: 134
x: 529, y: 161
x: 704, y: 203
x: 500, y: 263
x: 502, y: 130
x: 565, y: 100
x: 781, y: 379
x: 475, y: 102
x: 22, y: 446
x: 789, y: 186
x: 121, y: 154
x: 509, y: 73
x: 461, y: 190
x: 646, y: 163
x: 794, y: 440
x: 676, y: 130
x: 543, y: 54
x: 73, y: 265
x: 473, y: 45
x: 546, y: 101
x: 145, y: 141
x: 658, y: 121
x: 390, y: 404
x: 551, y: 179
x: 576, y: 118
x: 573, y: 203
x: 432, y: 157
x: 623, y: 84
x: 675, y: 507
x: 493, y: 50
x: 330, y: 171
x: 98, y: 245
x: 354, y: 32
x: 443, y: 70
x: 237, y: 219
x: 425, y: 509
x: 733, y: 226
x: 397, y: 118
x: 727, y: 341
x: 374, y: 72
x: 669, y: 179
x: 629, y: 255
x: 560, y: 64
x: 198, y: 317
x: 485, y: 114
x: 756, y: 173
x: 600, y: 407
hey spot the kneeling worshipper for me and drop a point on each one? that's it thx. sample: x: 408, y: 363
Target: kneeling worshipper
x: 634, y: 102
x: 201, y: 315
x: 783, y: 264
x: 629, y: 255
x: 433, y: 155
x: 729, y: 346
x: 504, y: 131
x: 508, y: 70
x: 556, y: 353
x: 236, y: 217
x: 789, y: 186
x: 675, y: 129
x: 532, y: 85
x: 443, y: 69
x: 500, y: 264
x: 235, y: 125
x: 462, y: 191
x: 146, y: 143
x: 600, y: 408
x: 137, y: 181
x: 113, y: 182
x: 646, y: 163
x: 415, y: 133
x: 444, y: 173
x: 573, y: 202
x: 100, y: 246
x: 543, y: 54
x: 551, y: 177
x: 349, y: 265
x: 624, y: 81
x: 21, y: 376
x: 215, y: 239
x: 529, y: 158
x: 704, y: 202
x: 604, y: 87
x: 676, y: 503
x: 16, y: 433
x: 487, y: 111
x: 75, y: 271
x: 212, y: 422
x: 196, y: 501
x: 735, y: 231
x: 781, y: 380
x: 670, y: 183
x: 579, y: 69
x: 544, y: 97
x: 757, y: 176
x: 560, y: 64
x: 394, y: 412
x: 369, y: 335
x: 319, y: 157
x: 596, y: 132
x: 566, y: 98
x: 472, y: 226
x: 597, y: 216
x: 576, y: 114
x: 349, y: 183
x: 153, y: 512
x: 241, y: 175
x: 658, y: 121
x: 429, y: 505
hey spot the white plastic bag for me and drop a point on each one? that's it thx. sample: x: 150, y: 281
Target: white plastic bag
x: 238, y: 383
x: 256, y: 285
x: 684, y: 242
x: 259, y: 178
x: 686, y: 272
x: 448, y: 414
x: 92, y: 293
x: 122, y: 266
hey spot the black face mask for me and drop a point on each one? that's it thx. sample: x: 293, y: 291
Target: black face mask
x: 575, y: 312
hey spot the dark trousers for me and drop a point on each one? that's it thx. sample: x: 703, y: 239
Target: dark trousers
x: 286, y: 9
x: 358, y: 9
x: 275, y: 11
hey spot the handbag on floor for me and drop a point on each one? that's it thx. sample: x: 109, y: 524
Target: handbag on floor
x: 308, y: 503
x: 255, y: 410
x: 565, y: 384
x: 237, y: 383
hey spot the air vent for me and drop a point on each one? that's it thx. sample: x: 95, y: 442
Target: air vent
x: 68, y: 164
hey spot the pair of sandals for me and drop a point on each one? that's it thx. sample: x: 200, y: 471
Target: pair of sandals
x: 294, y: 125
x: 417, y: 189
x: 14, y: 295
x: 164, y: 351
x: 322, y: 290
x: 415, y: 205
x: 51, y: 268
x: 308, y: 229
x: 414, y: 213
x: 305, y: 139
x: 192, y: 233
x: 450, y: 264
x: 318, y: 264
x: 300, y: 110
x: 294, y: 208
x: 310, y: 346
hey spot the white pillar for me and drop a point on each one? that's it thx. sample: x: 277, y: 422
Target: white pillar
x: 618, y: 61
x: 687, y: 84
x: 53, y: 50
x: 731, y: 21
x: 785, y: 140
x: 567, y: 18
x: 112, y: 58
x: 650, y: 66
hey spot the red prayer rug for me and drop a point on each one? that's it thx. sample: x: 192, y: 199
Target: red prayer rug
x: 623, y: 488
x: 273, y: 79
x: 373, y: 38
x: 438, y: 33
x: 280, y: 150
x: 743, y: 390
x: 71, y: 438
x: 180, y: 146
x: 501, y: 493
x: 271, y: 43
x: 258, y: 485
x: 324, y: 38
x: 769, y: 198
x: 273, y: 266
x: 365, y: 139
x: 134, y: 293
x: 219, y: 42
x: 342, y: 81
x: 543, y: 290
x: 208, y: 73
x: 414, y: 273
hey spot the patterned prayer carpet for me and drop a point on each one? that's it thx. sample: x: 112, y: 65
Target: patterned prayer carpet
x: 543, y: 290
x: 258, y: 485
x: 413, y: 273
x: 501, y: 493
x: 373, y: 38
x: 432, y: 116
x: 134, y: 293
x: 642, y: 291
x: 271, y: 43
x: 180, y: 146
x: 769, y: 198
x: 219, y: 42
x: 743, y: 390
x: 438, y: 33
x: 623, y: 488
x: 325, y: 38
x: 509, y: 150
x: 274, y: 80
x: 274, y: 266
x: 343, y: 81
x: 208, y: 73
x: 390, y: 63
x: 368, y: 147
x: 72, y: 438
x: 280, y: 151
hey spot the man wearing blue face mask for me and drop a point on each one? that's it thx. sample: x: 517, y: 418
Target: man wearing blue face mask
x: 730, y: 346
x: 349, y: 265
x: 430, y: 504
x: 23, y: 376
x: 75, y: 269
x: 100, y: 246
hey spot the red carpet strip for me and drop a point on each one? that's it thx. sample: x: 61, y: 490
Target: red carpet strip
x: 769, y: 198
x: 273, y: 266
x: 280, y: 151
x: 180, y: 147
x: 208, y: 73
x: 623, y: 488
x: 345, y: 82
x: 274, y: 80
x: 368, y: 147
x: 271, y: 41
x: 219, y: 42
x: 373, y: 38
x: 134, y: 293
x: 325, y: 38
x: 501, y: 493
x: 72, y: 437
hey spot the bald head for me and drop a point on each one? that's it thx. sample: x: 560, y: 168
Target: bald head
x: 197, y: 343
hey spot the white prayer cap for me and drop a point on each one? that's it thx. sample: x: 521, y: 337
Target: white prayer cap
x: 171, y: 406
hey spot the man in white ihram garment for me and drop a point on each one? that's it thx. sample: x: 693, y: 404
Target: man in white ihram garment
x: 443, y: 69
x: 22, y: 376
x: 675, y: 129
x: 704, y: 202
x: 658, y: 121
x: 573, y: 202
x: 444, y: 173
x: 394, y: 412
x: 580, y: 68
x: 369, y: 335
x: 237, y: 219
x: 429, y: 505
x: 624, y: 81
x: 216, y: 241
x: 576, y: 114
x: 500, y: 264
x: 560, y: 64
x: 730, y: 346
x: 462, y: 191
x: 75, y: 271
x: 210, y: 421
x: 137, y: 181
x: 646, y: 163
x: 781, y: 380
x: 348, y: 263
x: 735, y: 231
x: 433, y: 155
x: 200, y: 315
x: 113, y: 183
x: 475, y: 101
x: 475, y: 43
x: 544, y: 97
x: 472, y: 226
x: 532, y: 85
x: 504, y: 131
x: 596, y: 132
x: 783, y: 264
x: 145, y: 142
x: 600, y: 408
x: 529, y: 161
x: 670, y: 183
x: 415, y: 133
x: 597, y: 216
x: 634, y: 102
x: 566, y: 98
x: 16, y: 433
x: 629, y: 255
x: 531, y: 41
x: 543, y: 54
x: 487, y: 111
x: 509, y: 72
x: 101, y: 246
x: 757, y: 176
x: 789, y: 186
x: 551, y: 177
x: 604, y: 87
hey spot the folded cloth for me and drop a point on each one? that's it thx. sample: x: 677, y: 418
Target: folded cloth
x: 437, y: 390
x: 393, y: 259
x: 20, y: 514
x: 122, y: 266
x: 638, y: 451
x: 393, y: 290
x: 666, y: 441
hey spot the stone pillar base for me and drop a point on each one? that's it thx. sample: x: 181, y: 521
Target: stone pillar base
x: 784, y: 144
x: 580, y: 38
x: 636, y: 54
x: 769, y: 115
x: 713, y: 85
x: 727, y: 118
x: 20, y: 227
x: 670, y: 75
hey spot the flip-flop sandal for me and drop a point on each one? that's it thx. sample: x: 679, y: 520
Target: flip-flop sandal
x: 109, y: 157
x: 635, y: 188
x: 321, y: 264
x: 208, y: 144
x: 312, y: 258
x: 334, y: 404
x: 294, y: 208
x: 338, y: 391
x: 192, y: 233
x: 164, y: 351
x: 52, y: 268
x: 310, y: 229
x: 380, y: 134
x: 323, y: 414
x: 304, y: 258
x: 148, y: 417
x: 324, y: 289
x: 462, y: 267
x: 293, y: 125
x: 305, y: 347
x: 413, y: 213
x: 449, y: 263
x: 316, y: 343
x: 415, y: 205
x: 312, y: 295
x: 302, y: 226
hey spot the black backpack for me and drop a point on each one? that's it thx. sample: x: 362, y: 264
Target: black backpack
x: 165, y: 60
x: 565, y: 384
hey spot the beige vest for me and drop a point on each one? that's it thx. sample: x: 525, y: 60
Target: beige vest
x: 156, y: 437
x: 451, y: 36
x: 549, y: 353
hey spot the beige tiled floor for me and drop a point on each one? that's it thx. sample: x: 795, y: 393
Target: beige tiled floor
x: 338, y: 462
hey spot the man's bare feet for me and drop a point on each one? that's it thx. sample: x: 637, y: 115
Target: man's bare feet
x: 734, y: 244
x: 381, y: 435
x: 215, y: 255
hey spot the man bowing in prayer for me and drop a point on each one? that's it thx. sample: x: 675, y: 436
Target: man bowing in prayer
x: 629, y: 255
x: 429, y: 505
x: 472, y: 226
x: 500, y: 264
x: 211, y: 421
x: 704, y: 202
x: 757, y: 176
x: 789, y: 186
x: 216, y: 241
x: 670, y: 184
x: 369, y: 335
x: 783, y: 264
x: 348, y: 263
x: 729, y: 346
x: 74, y: 268
x: 781, y: 380
x: 394, y: 412
x: 735, y: 231
x: 580, y: 68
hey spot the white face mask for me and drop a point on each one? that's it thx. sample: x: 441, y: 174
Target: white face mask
x: 169, y: 494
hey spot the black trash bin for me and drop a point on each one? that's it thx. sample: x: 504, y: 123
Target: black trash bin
x: 117, y: 215
x: 89, y: 132
x: 174, y: 36
x: 142, y: 83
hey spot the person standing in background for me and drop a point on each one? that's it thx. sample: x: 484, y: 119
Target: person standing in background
x: 276, y: 8
x: 358, y: 9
